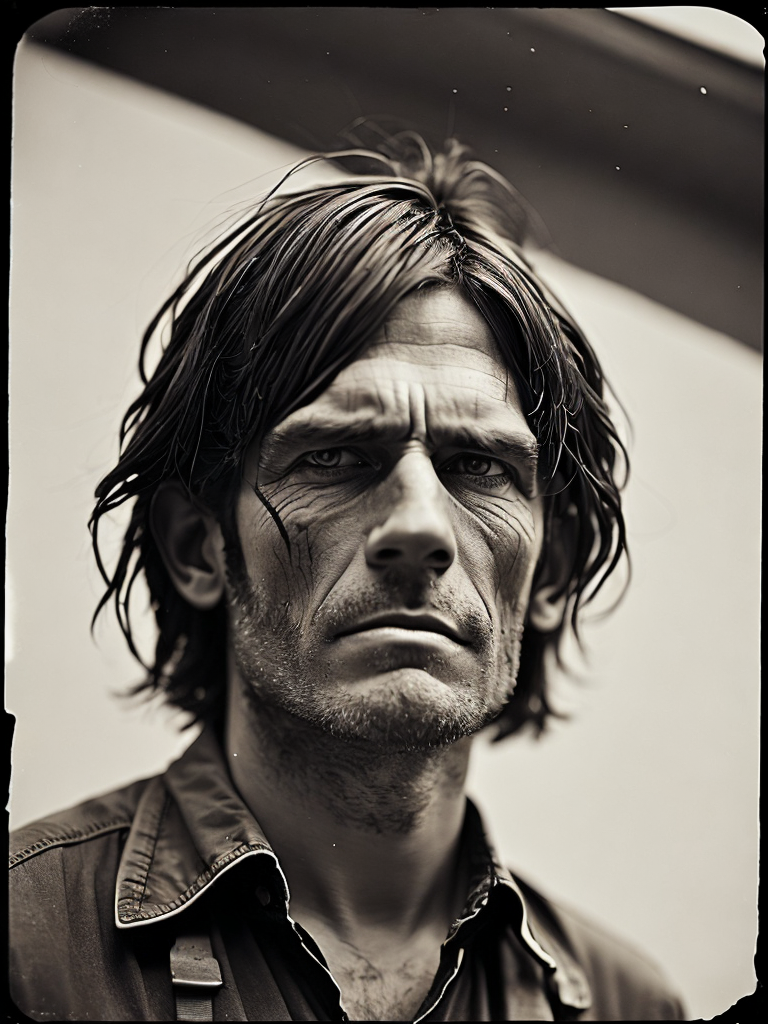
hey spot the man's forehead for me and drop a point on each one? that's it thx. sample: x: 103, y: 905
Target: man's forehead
x: 436, y: 316
x: 437, y: 335
x: 433, y: 365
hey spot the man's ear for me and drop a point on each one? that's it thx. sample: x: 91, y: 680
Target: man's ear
x: 546, y: 608
x: 191, y: 545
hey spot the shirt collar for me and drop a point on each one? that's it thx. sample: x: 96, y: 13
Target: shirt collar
x: 491, y: 881
x: 191, y: 827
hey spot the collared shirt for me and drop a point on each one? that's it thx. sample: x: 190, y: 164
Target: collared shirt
x: 100, y: 894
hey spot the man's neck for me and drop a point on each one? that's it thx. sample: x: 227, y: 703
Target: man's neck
x: 368, y: 840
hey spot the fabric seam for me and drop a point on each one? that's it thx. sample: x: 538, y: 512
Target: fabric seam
x: 75, y: 836
x: 155, y: 840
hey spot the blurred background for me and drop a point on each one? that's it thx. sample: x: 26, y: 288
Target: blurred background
x: 637, y: 134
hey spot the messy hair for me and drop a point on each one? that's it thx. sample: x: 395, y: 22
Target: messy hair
x: 268, y: 315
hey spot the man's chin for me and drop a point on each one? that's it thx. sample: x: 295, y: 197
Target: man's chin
x: 405, y: 709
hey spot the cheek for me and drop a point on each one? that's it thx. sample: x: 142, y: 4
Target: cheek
x: 515, y: 565
x: 505, y: 546
x: 322, y: 530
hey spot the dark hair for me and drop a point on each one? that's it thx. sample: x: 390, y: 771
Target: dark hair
x: 266, y: 318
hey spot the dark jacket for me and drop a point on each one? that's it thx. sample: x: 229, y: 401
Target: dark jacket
x: 102, y: 894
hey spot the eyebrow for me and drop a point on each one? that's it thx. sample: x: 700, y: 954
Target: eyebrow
x: 514, y: 447
x: 317, y: 434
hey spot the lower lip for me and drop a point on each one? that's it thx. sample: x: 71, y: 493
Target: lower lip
x: 387, y: 636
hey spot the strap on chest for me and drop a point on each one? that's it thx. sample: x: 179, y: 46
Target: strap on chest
x: 195, y: 974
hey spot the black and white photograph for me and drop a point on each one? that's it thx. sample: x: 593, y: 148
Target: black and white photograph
x: 383, y: 537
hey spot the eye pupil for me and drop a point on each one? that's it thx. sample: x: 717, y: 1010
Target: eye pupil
x: 327, y: 457
x: 478, y: 465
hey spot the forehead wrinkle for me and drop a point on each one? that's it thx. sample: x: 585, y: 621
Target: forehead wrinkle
x: 411, y: 331
x: 499, y: 374
x: 430, y: 355
x: 462, y: 318
x: 417, y: 404
x: 398, y: 350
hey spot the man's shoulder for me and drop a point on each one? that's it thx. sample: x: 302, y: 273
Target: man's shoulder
x: 67, y: 960
x: 614, y: 964
x: 95, y: 818
x: 626, y: 983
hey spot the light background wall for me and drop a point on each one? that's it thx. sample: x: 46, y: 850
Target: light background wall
x: 642, y: 810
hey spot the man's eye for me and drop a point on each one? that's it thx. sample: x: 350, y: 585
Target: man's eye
x: 333, y: 458
x: 476, y: 465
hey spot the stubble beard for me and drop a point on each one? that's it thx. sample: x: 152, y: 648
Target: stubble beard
x: 284, y: 673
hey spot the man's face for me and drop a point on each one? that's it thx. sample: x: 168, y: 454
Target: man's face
x: 408, y: 492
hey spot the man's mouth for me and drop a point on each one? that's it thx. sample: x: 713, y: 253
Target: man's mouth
x: 422, y: 622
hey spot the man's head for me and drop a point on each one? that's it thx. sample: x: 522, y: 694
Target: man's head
x: 375, y: 457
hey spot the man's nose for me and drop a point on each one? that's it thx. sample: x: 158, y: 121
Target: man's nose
x: 417, y: 531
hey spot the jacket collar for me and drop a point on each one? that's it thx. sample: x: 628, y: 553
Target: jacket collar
x: 191, y: 826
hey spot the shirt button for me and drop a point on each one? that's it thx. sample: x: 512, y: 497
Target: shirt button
x: 263, y: 895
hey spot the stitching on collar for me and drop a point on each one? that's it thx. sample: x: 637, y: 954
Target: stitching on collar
x: 127, y: 910
x: 65, y: 838
x: 155, y: 838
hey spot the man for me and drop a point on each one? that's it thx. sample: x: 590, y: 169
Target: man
x: 373, y: 481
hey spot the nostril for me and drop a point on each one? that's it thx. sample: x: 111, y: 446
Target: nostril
x: 440, y: 557
x: 388, y: 554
